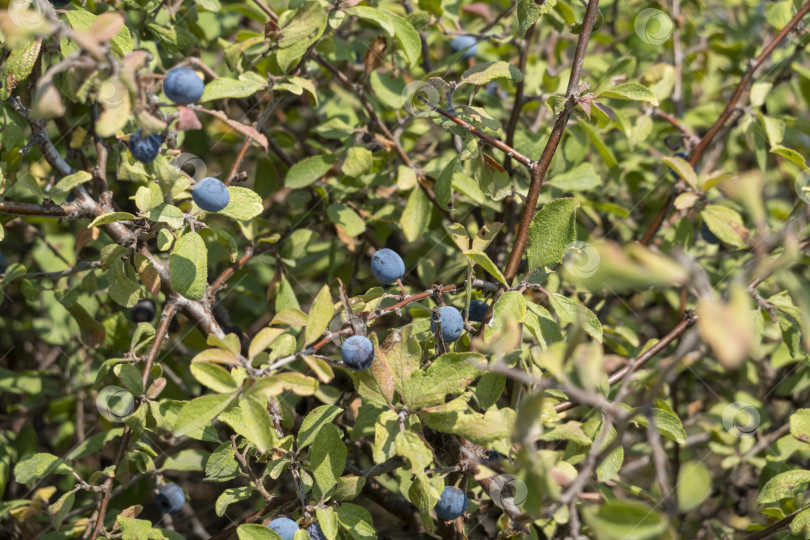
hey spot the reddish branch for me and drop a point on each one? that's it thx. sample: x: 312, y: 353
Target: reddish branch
x: 643, y: 358
x: 727, y: 113
x: 540, y: 168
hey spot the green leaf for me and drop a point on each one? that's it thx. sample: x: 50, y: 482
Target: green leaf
x: 790, y: 154
x: 188, y: 265
x: 449, y: 374
x: 694, y: 485
x: 481, y: 74
x: 800, y: 425
x: 510, y: 306
x: 230, y: 496
x: 572, y: 312
x: 623, y: 520
x: 783, y: 486
x: 255, y: 531
x: 60, y: 508
x: 374, y: 16
x: 408, y: 38
x: 168, y: 214
x: 189, y: 459
x: 327, y: 519
x: 39, y: 466
x: 130, y: 377
x: 528, y: 13
x: 244, y: 205
x: 632, y: 91
x: 667, y: 423
x: 214, y: 377
x: 349, y: 488
x: 319, y: 315
x: 199, y: 412
x: 327, y: 457
x: 552, y: 230
x: 110, y: 218
x: 411, y: 447
x: 134, y: 529
x: 223, y: 87
x: 444, y: 184
x: 308, y: 170
x: 19, y: 65
x: 416, y: 216
x: 725, y: 223
x: 314, y: 421
x: 81, y: 19
x: 124, y: 287
x: 305, y: 26
x: 356, y: 520
x: 258, y: 423
x: 581, y: 178
x: 358, y: 160
x: 347, y: 218
x: 683, y: 169
x: 71, y: 181
x: 482, y: 259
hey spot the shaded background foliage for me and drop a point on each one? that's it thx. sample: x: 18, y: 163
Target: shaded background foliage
x: 645, y: 368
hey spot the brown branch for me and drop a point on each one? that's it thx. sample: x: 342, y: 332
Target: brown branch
x: 691, y: 135
x: 65, y: 211
x: 490, y: 140
x: 540, y: 168
x: 643, y: 358
x: 767, y: 532
x: 163, y: 328
x: 517, y: 106
x: 707, y: 139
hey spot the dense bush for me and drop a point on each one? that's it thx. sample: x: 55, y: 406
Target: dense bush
x: 589, y: 320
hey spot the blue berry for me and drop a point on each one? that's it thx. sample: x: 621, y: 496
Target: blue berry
x: 357, y: 353
x: 452, y: 324
x: 452, y: 503
x: 211, y: 195
x: 143, y: 311
x: 315, y: 532
x: 285, y: 527
x: 3, y: 264
x: 478, y: 311
x: 708, y: 235
x: 464, y: 43
x: 183, y: 86
x: 145, y: 148
x: 170, y: 498
x: 387, y: 266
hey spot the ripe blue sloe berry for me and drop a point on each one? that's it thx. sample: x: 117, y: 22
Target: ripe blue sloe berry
x: 478, y: 310
x: 315, y: 532
x: 285, y: 527
x: 387, y: 266
x: 145, y: 148
x: 170, y: 498
x: 183, y: 86
x: 464, y: 43
x: 211, y: 195
x: 357, y: 353
x: 452, y: 324
x: 452, y: 503
x: 143, y: 311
